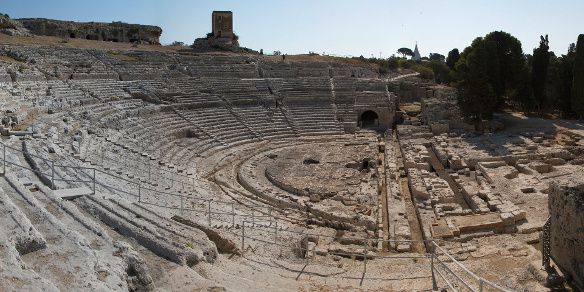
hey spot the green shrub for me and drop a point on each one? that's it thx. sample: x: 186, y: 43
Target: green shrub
x: 425, y: 72
x: 405, y: 64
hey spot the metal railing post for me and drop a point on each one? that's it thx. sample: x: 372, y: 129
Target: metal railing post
x: 4, y: 159
x: 365, y: 244
x: 242, y: 236
x: 52, y: 174
x: 434, y: 283
x: 253, y: 218
x: 149, y: 176
x: 232, y: 215
x: 276, y: 233
x: 307, y: 253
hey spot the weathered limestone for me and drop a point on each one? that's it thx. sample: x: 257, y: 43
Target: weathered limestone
x: 22, y: 235
x: 566, y: 205
x: 114, y: 32
x: 12, y: 27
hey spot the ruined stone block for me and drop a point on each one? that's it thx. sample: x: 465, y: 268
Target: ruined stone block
x: 507, y: 218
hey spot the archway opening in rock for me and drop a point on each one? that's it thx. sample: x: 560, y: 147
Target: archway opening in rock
x: 369, y: 119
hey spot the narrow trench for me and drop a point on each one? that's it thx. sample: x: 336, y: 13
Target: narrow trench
x: 384, y: 201
x: 413, y: 218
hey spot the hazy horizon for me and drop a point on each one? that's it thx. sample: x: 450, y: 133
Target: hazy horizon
x: 365, y: 28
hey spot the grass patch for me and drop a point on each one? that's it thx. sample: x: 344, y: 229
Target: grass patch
x: 121, y: 56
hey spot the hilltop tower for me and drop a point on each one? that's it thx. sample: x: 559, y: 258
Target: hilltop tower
x: 416, y: 57
x: 222, y: 24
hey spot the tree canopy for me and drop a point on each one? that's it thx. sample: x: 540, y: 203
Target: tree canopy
x: 452, y: 58
x: 565, y: 67
x: 539, y: 71
x: 437, y: 57
x: 505, y: 69
x: 578, y: 79
x: 493, y: 73
x: 405, y: 52
x: 477, y: 98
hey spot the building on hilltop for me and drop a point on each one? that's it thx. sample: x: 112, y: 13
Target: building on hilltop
x: 221, y: 37
x: 416, y: 57
x: 222, y: 24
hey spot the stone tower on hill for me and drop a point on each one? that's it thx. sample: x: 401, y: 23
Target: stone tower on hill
x: 416, y: 57
x: 223, y: 25
x: 221, y: 37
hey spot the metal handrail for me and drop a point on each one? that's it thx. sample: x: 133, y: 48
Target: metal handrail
x: 481, y: 280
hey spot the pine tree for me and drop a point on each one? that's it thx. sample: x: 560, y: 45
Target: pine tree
x: 566, y: 77
x: 541, y: 60
x: 578, y: 83
x: 476, y: 98
x: 452, y: 58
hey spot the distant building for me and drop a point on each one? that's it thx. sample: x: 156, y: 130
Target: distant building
x: 223, y: 24
x: 416, y: 57
x: 221, y: 37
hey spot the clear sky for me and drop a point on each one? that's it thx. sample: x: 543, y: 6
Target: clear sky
x: 357, y: 27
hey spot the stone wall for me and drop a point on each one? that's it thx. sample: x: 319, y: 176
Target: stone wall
x: 114, y: 32
x: 440, y: 104
x: 381, y: 103
x: 566, y: 205
x: 410, y: 91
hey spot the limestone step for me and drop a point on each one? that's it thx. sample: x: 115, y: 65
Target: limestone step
x: 73, y: 193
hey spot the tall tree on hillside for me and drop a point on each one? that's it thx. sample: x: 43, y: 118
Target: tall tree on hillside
x: 506, y: 68
x: 551, y: 93
x: 541, y: 60
x: 565, y: 65
x: 476, y: 98
x: 452, y: 58
x: 441, y: 72
x: 405, y: 52
x: 578, y: 83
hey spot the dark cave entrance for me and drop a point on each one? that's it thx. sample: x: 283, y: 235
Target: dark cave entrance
x: 369, y: 119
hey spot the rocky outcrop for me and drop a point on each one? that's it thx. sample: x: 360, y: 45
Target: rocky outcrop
x: 114, y: 32
x: 211, y: 44
x: 566, y: 205
x: 11, y: 27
